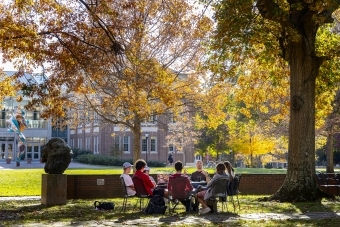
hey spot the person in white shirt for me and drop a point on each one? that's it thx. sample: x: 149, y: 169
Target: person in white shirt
x: 130, y: 188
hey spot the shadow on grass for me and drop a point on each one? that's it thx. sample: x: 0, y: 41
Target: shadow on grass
x: 31, y: 211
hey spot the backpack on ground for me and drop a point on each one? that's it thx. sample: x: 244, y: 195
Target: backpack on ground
x: 104, y: 205
x: 156, y: 205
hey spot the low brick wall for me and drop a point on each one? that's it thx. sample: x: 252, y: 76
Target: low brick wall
x: 109, y: 186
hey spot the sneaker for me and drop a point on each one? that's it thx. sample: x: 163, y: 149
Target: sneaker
x: 204, y: 210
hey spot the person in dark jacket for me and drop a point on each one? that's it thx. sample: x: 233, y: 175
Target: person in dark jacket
x: 170, y: 159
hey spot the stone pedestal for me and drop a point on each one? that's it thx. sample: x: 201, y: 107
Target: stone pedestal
x: 54, y: 189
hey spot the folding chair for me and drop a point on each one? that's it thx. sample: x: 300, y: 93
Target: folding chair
x: 233, y: 190
x: 141, y: 192
x: 219, y: 190
x: 126, y: 195
x: 178, y: 192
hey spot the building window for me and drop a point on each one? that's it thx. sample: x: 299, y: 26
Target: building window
x: 87, y: 143
x: 116, y: 143
x: 72, y: 143
x: 153, y: 144
x: 143, y: 144
x: 95, y: 118
x: 126, y: 144
x: 171, y: 148
x: 80, y: 143
x: 95, y: 145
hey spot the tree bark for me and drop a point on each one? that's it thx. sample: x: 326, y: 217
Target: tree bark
x: 136, y: 139
x: 329, y: 152
x: 300, y: 184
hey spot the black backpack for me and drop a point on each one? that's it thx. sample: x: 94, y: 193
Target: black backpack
x: 104, y: 205
x: 156, y: 205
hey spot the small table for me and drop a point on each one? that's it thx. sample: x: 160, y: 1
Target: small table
x: 195, y: 184
x: 162, y: 185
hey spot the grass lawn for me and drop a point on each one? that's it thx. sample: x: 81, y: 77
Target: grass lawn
x: 25, y: 212
x: 27, y: 182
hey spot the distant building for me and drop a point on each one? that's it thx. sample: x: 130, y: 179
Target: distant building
x: 38, y: 132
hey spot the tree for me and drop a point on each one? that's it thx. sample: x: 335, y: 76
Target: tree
x: 7, y: 88
x: 286, y: 29
x: 331, y: 127
x: 182, y: 134
x: 120, y: 60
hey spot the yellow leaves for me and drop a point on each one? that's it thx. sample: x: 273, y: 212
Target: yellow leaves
x: 7, y: 86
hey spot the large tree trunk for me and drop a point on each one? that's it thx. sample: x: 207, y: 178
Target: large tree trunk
x: 300, y: 184
x: 136, y: 139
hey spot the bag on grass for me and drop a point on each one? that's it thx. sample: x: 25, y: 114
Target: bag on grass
x: 156, y: 205
x: 104, y: 205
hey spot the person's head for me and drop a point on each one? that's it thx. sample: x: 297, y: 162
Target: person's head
x: 220, y: 168
x: 140, y: 164
x: 127, y: 167
x: 178, y: 166
x: 228, y: 166
x: 199, y: 165
x: 146, y: 170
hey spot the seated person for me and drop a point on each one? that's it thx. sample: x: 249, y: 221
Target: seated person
x: 149, y: 186
x: 147, y: 171
x: 130, y: 189
x: 188, y: 187
x: 229, y: 170
x: 200, y: 174
x: 207, y: 193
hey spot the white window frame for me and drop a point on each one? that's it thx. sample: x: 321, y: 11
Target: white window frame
x: 171, y: 148
x: 143, y: 145
x: 153, y: 144
x: 96, y: 145
x: 126, y: 144
x: 80, y: 143
x: 87, y: 143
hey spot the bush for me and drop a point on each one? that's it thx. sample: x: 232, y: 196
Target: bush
x: 268, y: 165
x: 102, y: 160
x: 156, y: 164
x: 105, y: 160
x: 78, y: 152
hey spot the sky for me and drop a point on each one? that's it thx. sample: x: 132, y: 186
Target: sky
x: 6, y: 67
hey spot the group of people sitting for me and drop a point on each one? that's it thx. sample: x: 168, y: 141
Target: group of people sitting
x: 142, y: 172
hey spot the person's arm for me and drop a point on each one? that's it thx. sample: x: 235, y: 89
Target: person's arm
x: 211, y: 182
x: 207, y: 177
x: 147, y: 181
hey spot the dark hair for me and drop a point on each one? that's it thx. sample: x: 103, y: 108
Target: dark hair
x: 178, y: 166
x: 220, y: 168
x: 139, y: 164
x: 229, y: 169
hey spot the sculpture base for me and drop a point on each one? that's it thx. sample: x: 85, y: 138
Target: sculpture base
x: 54, y: 189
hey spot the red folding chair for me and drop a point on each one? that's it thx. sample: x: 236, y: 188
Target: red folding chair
x: 141, y: 192
x: 179, y: 192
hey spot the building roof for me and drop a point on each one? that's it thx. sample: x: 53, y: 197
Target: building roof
x: 28, y: 78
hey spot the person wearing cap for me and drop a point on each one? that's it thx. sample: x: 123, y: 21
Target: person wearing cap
x: 200, y: 174
x: 130, y: 188
x: 147, y: 171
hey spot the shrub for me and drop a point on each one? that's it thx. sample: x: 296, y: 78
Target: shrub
x: 268, y: 165
x: 78, y: 152
x: 97, y: 159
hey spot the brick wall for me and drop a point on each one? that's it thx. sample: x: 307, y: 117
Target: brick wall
x: 109, y: 186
